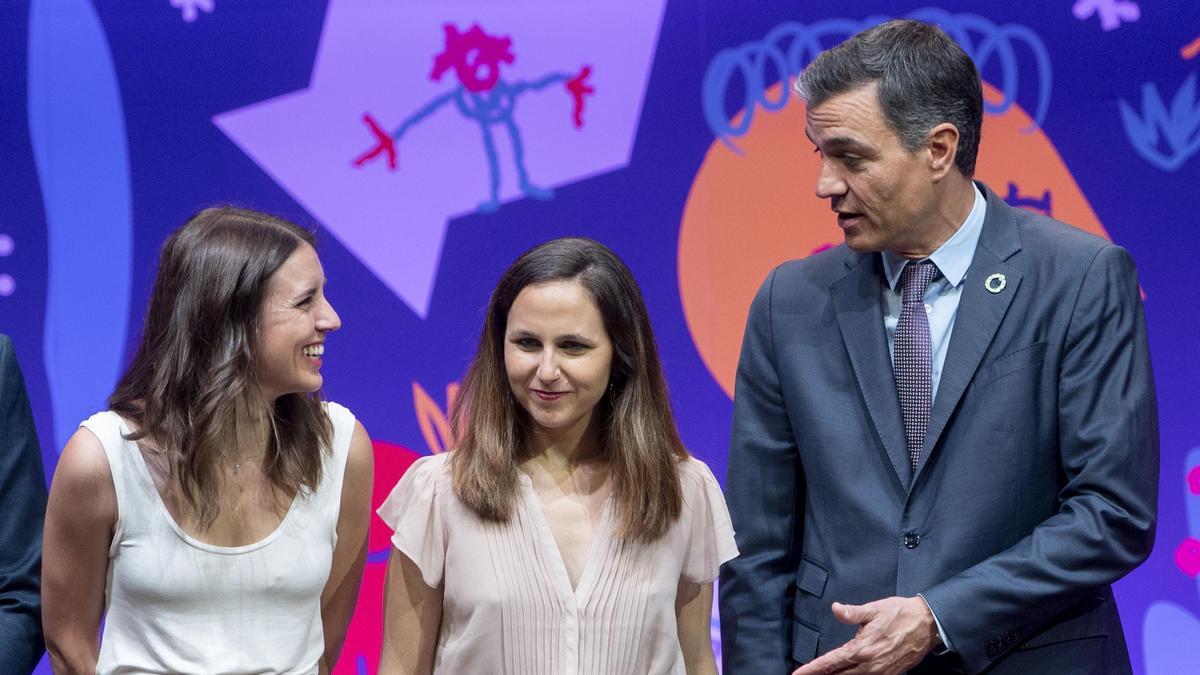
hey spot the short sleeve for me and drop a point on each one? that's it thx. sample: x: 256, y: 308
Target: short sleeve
x: 414, y: 512
x: 710, y: 540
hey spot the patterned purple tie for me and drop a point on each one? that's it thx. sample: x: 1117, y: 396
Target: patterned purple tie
x: 912, y: 356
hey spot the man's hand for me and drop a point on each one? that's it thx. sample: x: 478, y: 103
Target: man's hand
x: 894, y: 634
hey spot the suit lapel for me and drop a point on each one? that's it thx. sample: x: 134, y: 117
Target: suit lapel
x: 857, y: 301
x: 979, y: 314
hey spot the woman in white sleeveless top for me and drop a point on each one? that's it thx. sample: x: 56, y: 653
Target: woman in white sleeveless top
x: 215, y: 517
x: 569, y: 532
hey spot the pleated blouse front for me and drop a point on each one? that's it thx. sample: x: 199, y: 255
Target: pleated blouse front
x: 508, y: 605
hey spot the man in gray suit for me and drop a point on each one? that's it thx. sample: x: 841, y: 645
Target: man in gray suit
x: 22, y: 509
x: 945, y: 444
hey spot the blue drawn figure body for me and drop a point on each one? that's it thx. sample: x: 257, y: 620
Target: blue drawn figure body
x: 495, y: 108
x: 482, y: 96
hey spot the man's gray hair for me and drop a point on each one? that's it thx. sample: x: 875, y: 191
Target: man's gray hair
x: 924, y: 79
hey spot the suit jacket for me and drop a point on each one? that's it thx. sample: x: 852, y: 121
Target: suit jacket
x: 1035, y: 490
x: 22, y: 510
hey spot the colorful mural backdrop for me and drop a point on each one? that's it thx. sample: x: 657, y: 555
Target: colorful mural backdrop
x: 431, y: 142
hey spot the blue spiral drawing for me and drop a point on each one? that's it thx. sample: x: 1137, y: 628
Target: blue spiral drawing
x: 790, y: 46
x: 77, y: 129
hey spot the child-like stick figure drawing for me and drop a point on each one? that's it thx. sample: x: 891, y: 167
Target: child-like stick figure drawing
x: 482, y: 96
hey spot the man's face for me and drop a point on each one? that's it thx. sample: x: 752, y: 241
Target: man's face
x: 882, y: 193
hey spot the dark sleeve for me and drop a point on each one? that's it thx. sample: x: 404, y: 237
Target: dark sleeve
x: 22, y: 510
x: 1108, y: 450
x: 764, y: 492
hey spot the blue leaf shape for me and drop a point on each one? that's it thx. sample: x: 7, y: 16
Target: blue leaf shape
x: 1183, y: 108
x: 77, y: 129
x: 1184, y: 101
x: 1138, y: 131
x: 1179, y: 128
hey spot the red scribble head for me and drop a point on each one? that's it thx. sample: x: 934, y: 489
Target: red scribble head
x: 475, y: 57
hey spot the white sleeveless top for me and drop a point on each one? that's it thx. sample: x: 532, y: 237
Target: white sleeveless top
x: 177, y: 605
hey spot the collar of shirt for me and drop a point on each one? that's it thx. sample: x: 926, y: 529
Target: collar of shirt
x: 954, y: 256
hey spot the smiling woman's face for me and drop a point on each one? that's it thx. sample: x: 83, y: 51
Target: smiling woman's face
x: 295, y: 318
x: 557, y: 356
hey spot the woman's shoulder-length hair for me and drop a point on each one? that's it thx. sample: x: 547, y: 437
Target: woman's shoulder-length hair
x: 639, y: 437
x: 196, y: 361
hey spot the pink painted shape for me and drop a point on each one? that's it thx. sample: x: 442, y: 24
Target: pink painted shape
x: 383, y: 145
x: 578, y: 88
x: 1187, y: 557
x: 475, y: 57
x: 1193, y: 480
x: 363, y: 637
x: 391, y: 461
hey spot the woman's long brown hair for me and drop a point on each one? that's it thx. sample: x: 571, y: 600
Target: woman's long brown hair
x: 638, y: 431
x: 196, y: 362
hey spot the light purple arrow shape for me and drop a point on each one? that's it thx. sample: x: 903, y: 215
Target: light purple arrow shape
x: 376, y: 57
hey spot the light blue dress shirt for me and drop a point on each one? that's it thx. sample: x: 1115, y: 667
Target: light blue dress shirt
x: 941, y: 305
x: 941, y: 298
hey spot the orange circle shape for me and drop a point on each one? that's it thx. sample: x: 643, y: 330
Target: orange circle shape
x: 748, y: 212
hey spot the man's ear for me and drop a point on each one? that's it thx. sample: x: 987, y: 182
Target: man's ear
x: 943, y: 149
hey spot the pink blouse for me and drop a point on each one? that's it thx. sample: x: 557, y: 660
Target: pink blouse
x: 508, y: 605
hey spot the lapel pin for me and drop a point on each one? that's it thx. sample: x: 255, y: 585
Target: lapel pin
x: 995, y: 283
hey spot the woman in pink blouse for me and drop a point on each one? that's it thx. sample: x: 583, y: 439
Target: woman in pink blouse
x: 569, y: 532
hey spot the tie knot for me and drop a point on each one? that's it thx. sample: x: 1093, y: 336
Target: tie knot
x: 915, y: 279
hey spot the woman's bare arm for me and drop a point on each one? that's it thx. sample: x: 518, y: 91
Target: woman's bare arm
x: 350, y: 555
x: 412, y: 616
x: 80, y: 518
x: 693, y: 614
